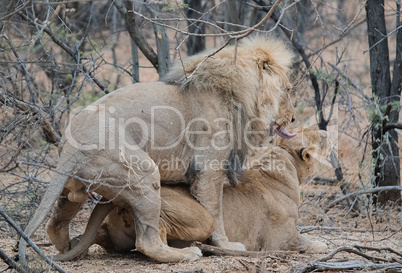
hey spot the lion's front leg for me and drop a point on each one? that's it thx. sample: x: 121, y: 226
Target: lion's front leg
x: 208, y: 190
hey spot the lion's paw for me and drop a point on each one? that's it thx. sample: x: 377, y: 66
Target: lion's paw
x: 191, y: 254
x: 318, y: 247
x: 232, y: 246
x: 72, y: 244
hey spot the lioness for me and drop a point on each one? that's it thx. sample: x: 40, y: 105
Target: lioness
x: 125, y: 143
x: 261, y: 212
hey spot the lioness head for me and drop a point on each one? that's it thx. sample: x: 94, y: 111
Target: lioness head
x: 307, y: 147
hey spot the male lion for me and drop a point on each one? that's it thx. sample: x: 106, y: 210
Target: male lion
x: 261, y: 212
x: 207, y: 110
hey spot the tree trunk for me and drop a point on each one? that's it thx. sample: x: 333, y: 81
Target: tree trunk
x: 385, y: 146
x: 162, y: 45
x: 195, y: 44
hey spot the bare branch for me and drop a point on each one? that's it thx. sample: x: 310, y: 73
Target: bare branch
x: 232, y: 35
x: 333, y: 102
x: 25, y: 72
x: 390, y: 126
x: 9, y: 15
x: 262, y: 22
x: 65, y: 47
x: 135, y: 33
x: 379, y: 249
x: 357, y: 193
x: 51, y: 135
x: 383, y: 39
x: 11, y: 263
x: 350, y: 250
x: 350, y: 81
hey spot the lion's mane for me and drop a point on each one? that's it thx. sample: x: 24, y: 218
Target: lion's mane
x: 250, y: 78
x: 235, y: 73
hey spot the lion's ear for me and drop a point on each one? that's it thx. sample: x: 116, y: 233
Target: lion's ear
x: 264, y: 66
x: 307, y: 154
x: 263, y: 61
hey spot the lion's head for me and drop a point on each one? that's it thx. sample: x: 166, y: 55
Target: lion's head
x: 251, y: 77
x: 306, y: 148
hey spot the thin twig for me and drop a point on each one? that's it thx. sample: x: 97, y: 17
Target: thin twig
x: 232, y: 35
x: 9, y: 15
x: 32, y: 244
x: 24, y: 69
x: 66, y: 48
x: 239, y: 35
x: 350, y: 81
x: 385, y: 37
x: 12, y: 264
x: 51, y: 135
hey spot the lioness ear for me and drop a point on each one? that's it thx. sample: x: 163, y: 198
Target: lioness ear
x: 307, y: 153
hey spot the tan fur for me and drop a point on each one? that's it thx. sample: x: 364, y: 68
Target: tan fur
x: 226, y: 91
x: 236, y: 77
x: 261, y: 212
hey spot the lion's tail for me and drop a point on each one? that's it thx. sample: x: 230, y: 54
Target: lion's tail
x: 50, y: 197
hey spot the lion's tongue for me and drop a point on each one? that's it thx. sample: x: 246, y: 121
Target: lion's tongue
x: 283, y: 133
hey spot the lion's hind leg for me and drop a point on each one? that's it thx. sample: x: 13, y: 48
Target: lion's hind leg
x: 141, y: 196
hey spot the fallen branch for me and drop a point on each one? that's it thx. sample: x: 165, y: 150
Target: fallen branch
x: 349, y: 265
x: 351, y: 250
x: 213, y: 250
x: 356, y: 193
x: 379, y: 249
x: 322, y: 264
x: 306, y: 229
x: 32, y: 244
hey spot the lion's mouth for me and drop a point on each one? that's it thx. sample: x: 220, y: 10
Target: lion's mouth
x: 283, y: 133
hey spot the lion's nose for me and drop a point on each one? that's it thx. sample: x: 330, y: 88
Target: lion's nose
x: 293, y: 119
